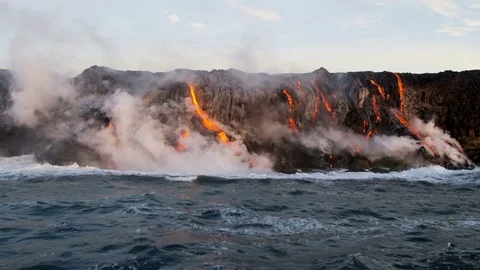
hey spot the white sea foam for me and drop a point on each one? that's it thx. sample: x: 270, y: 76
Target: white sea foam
x: 26, y: 167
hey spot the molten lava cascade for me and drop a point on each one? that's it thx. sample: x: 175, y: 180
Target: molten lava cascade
x: 315, y: 109
x: 324, y: 100
x: 291, y: 122
x: 180, y: 147
x: 299, y: 89
x: 375, y: 109
x: 111, y: 128
x: 405, y: 123
x: 400, y: 91
x: 369, y: 134
x: 364, y: 126
x: 207, y: 123
x: 380, y: 88
x: 289, y: 100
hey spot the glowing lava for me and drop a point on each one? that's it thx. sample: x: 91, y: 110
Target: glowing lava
x: 401, y: 90
x: 315, y: 109
x: 289, y: 100
x: 369, y: 135
x: 112, y: 130
x: 405, y: 123
x: 324, y: 100
x: 364, y: 126
x: 222, y: 136
x: 380, y: 88
x: 207, y: 123
x: 299, y: 88
x: 375, y: 109
x: 291, y: 122
x: 180, y: 147
x: 331, y: 160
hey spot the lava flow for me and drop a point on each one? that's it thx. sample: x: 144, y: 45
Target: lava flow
x: 291, y: 122
x: 369, y: 135
x: 375, y: 109
x: 379, y: 87
x: 112, y: 130
x: 299, y: 88
x: 324, y: 100
x: 404, y: 122
x: 207, y: 123
x: 180, y: 147
x: 400, y: 90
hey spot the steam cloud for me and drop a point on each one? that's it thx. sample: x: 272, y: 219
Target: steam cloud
x: 137, y: 140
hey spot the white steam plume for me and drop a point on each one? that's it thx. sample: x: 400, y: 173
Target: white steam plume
x: 137, y: 141
x: 438, y: 144
x: 335, y: 141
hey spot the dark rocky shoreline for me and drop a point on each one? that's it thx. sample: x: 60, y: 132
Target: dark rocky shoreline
x: 363, y: 103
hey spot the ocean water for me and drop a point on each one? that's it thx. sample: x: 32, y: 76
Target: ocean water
x: 86, y: 218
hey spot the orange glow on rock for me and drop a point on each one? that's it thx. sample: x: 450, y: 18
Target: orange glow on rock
x: 206, y: 121
x: 327, y: 106
x: 291, y: 122
x: 375, y: 109
x: 401, y: 90
x: 379, y: 87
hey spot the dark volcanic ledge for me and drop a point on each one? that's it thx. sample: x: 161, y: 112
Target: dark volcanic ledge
x: 244, y: 102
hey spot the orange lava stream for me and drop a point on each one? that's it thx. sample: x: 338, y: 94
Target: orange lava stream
x: 222, y: 136
x: 315, y: 108
x: 289, y: 100
x: 324, y: 100
x: 369, y: 135
x: 364, y: 126
x: 380, y: 88
x: 299, y: 88
x: 375, y: 109
x: 291, y: 122
x: 401, y: 90
x: 111, y: 128
x: 207, y: 123
x: 180, y: 145
x: 404, y: 122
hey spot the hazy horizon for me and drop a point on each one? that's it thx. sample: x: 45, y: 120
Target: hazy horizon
x: 417, y: 36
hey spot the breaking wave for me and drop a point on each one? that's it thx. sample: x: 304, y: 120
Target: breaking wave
x: 26, y: 167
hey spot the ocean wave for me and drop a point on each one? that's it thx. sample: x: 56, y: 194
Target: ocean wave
x: 26, y: 167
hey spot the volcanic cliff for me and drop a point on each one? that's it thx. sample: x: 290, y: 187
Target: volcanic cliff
x: 282, y: 115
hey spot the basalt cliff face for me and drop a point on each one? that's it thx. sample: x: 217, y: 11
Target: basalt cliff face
x: 318, y: 120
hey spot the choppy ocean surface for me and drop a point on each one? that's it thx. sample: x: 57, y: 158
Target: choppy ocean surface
x: 85, y: 218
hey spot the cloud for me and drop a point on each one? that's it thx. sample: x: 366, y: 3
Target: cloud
x: 197, y: 25
x: 261, y: 14
x: 474, y: 5
x: 359, y: 23
x: 173, y: 18
x: 381, y: 3
x: 467, y: 26
x: 446, y: 8
x: 471, y: 23
x: 363, y: 23
x: 455, y: 31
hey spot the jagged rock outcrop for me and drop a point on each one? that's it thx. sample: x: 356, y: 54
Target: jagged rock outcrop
x: 254, y: 105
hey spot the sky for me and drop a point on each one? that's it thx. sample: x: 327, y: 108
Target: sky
x: 257, y: 36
